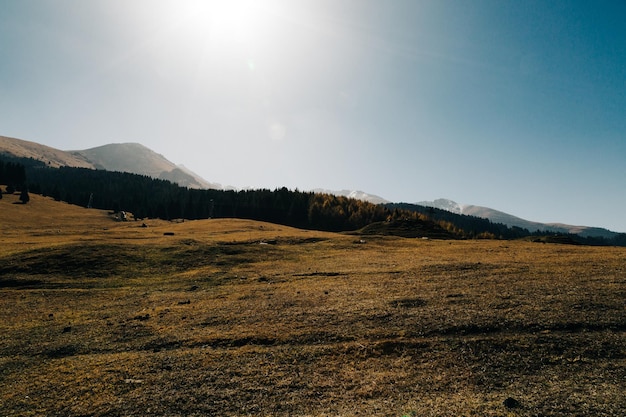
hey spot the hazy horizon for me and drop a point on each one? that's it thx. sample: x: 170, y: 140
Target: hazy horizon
x: 517, y: 106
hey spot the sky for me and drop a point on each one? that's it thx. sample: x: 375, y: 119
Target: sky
x: 515, y: 105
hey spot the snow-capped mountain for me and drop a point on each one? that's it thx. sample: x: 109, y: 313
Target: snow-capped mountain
x: 443, y: 204
x: 138, y: 159
x: 496, y: 216
x: 358, y: 195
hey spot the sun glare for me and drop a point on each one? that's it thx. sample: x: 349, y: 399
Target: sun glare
x: 229, y: 22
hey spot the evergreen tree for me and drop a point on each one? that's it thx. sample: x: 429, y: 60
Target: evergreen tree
x: 24, y: 197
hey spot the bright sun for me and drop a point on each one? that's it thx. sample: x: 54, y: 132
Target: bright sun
x: 227, y: 21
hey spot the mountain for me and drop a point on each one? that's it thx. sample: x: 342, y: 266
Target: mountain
x: 496, y: 216
x: 50, y: 156
x: 357, y: 195
x: 124, y: 157
x: 443, y: 204
x: 138, y: 159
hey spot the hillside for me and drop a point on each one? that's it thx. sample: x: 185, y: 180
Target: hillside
x: 358, y: 195
x: 413, y: 228
x: 151, y: 198
x: 507, y: 219
x: 138, y: 159
x: 81, y: 187
x: 50, y: 156
x: 231, y: 317
x: 124, y: 157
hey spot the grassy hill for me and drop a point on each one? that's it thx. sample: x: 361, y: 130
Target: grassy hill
x: 123, y: 157
x: 234, y: 317
x: 49, y: 156
x: 411, y: 228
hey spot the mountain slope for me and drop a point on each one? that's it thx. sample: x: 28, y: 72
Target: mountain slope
x: 496, y: 216
x: 443, y: 204
x: 138, y: 159
x: 502, y: 217
x: 124, y: 157
x: 357, y: 195
x: 50, y: 156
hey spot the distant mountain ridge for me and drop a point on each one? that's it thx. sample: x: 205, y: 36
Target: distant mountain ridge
x: 124, y: 157
x: 356, y: 194
x: 50, y: 156
x: 496, y: 216
x: 138, y: 159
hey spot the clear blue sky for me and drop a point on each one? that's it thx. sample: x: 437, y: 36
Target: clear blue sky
x: 515, y: 105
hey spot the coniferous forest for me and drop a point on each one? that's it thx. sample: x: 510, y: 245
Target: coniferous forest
x: 146, y: 197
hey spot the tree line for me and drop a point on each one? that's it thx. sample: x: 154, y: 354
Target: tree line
x: 148, y: 197
x: 472, y: 227
x: 469, y: 226
x: 12, y: 174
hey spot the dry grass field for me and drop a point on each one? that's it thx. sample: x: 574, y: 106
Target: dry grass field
x: 241, y: 318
